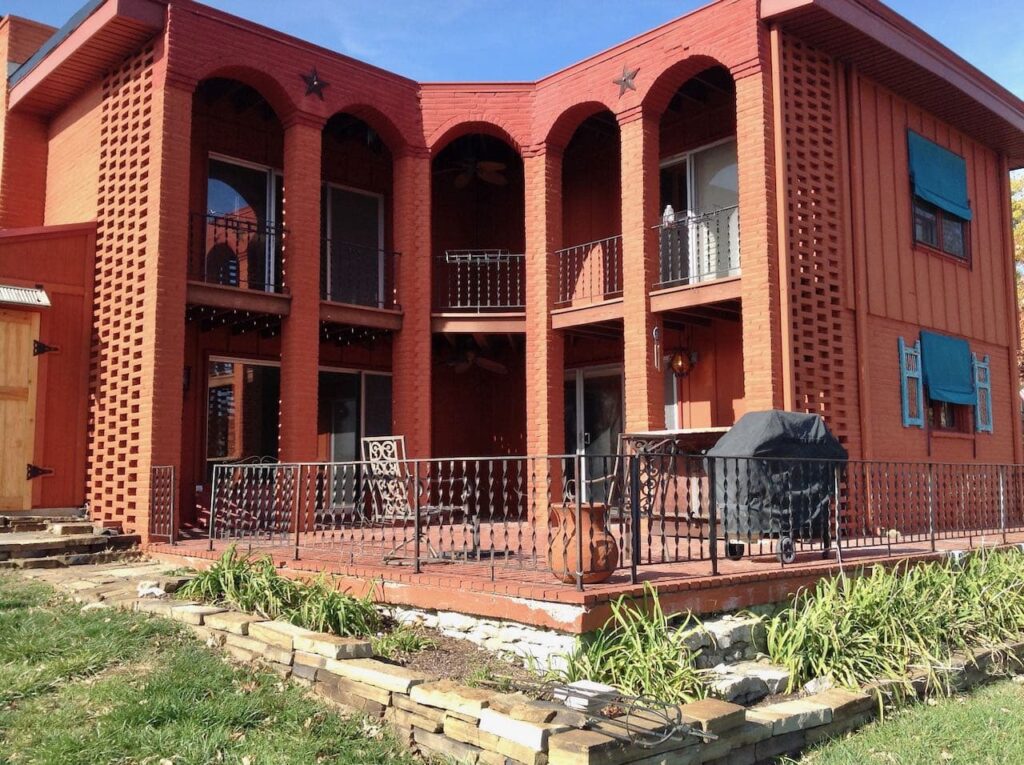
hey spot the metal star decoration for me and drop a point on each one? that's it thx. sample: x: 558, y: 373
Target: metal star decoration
x: 314, y: 84
x: 625, y: 81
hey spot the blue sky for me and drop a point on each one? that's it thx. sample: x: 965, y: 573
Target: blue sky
x: 434, y: 40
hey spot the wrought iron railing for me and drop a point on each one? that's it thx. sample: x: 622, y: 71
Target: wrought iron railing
x: 358, y: 275
x: 163, y: 518
x: 235, y: 251
x: 589, y: 273
x: 699, y: 248
x: 517, y: 516
x: 479, y: 281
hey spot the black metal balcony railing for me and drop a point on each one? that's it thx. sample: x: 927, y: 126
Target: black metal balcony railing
x: 590, y: 273
x: 699, y: 248
x: 479, y: 281
x: 235, y: 252
x: 358, y: 275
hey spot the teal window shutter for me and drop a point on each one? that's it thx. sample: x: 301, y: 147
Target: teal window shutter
x: 938, y: 175
x: 911, y: 387
x: 983, y: 384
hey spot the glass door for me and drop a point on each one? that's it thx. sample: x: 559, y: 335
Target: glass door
x: 354, y: 260
x: 242, y: 204
x: 594, y: 421
x: 715, y: 200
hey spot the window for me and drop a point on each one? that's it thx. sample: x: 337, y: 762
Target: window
x: 944, y: 386
x: 943, y: 415
x: 941, y: 206
x: 940, y: 230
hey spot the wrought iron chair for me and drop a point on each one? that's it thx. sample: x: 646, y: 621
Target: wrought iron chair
x: 393, y: 491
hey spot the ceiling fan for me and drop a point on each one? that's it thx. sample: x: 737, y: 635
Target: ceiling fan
x: 488, y: 171
x: 467, y: 356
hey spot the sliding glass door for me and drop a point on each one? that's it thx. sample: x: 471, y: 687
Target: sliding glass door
x: 702, y: 188
x: 353, y: 264
x: 243, y: 207
x: 593, y: 424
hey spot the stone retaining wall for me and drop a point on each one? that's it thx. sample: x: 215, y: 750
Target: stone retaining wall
x: 469, y: 724
x: 725, y: 639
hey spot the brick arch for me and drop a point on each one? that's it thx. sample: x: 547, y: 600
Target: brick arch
x: 564, y: 126
x: 393, y: 136
x: 458, y: 127
x: 665, y: 84
x: 263, y: 83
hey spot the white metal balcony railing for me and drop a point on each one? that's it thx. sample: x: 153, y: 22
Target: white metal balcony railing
x: 698, y: 248
x: 479, y: 281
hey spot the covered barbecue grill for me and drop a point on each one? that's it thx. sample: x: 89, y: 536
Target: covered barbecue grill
x: 773, y: 476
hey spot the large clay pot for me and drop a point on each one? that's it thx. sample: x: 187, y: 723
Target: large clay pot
x: 600, y: 551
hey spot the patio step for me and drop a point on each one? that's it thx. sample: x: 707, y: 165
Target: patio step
x: 60, y: 544
x: 42, y: 520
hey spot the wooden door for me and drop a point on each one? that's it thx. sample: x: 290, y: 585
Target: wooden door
x: 17, y: 406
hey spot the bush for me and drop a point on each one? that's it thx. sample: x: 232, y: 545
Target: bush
x: 639, y: 652
x: 887, y: 623
x: 253, y: 585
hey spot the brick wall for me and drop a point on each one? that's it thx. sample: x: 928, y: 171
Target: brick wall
x: 74, y: 142
x: 117, y: 430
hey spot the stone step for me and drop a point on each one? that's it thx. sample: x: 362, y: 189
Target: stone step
x: 19, y: 545
x: 74, y: 559
x: 71, y: 528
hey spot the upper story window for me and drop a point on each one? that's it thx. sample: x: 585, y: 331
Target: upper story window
x: 942, y: 208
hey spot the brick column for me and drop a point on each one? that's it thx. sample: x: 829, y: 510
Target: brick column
x: 545, y: 354
x: 300, y: 333
x: 411, y: 359
x: 645, y: 394
x: 163, y: 347
x: 764, y: 321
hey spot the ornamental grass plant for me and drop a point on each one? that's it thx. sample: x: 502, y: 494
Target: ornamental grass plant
x: 892, y: 623
x: 252, y: 584
x: 640, y: 652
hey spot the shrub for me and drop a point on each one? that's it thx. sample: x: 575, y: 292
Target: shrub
x: 639, y: 652
x: 888, y: 623
x: 253, y: 585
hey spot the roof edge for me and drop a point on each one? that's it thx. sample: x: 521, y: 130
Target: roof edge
x: 895, y: 32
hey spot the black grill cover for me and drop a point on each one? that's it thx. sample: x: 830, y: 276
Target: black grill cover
x: 774, y: 475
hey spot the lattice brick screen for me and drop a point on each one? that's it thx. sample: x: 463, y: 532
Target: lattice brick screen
x: 824, y: 363
x: 116, y: 373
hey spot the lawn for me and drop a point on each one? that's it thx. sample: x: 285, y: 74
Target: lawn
x: 100, y: 686
x: 983, y: 728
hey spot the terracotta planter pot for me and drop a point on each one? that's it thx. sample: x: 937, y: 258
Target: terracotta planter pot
x: 600, y: 551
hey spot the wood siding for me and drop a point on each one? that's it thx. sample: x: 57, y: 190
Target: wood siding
x: 909, y: 283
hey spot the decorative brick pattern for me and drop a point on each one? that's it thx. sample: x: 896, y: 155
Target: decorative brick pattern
x: 122, y: 248
x: 822, y: 328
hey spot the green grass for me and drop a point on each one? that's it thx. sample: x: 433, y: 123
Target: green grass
x: 109, y: 687
x: 981, y: 729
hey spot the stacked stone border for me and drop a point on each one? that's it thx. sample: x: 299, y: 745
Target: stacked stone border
x: 439, y: 717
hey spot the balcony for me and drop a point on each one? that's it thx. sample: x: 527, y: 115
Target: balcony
x: 699, y: 259
x: 479, y: 281
x: 235, y: 251
x: 234, y: 264
x: 694, y: 249
x: 589, y: 283
x: 355, y: 274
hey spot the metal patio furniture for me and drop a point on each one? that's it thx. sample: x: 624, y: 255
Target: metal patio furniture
x: 395, y: 495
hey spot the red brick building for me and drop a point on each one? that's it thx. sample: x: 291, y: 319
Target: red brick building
x: 294, y: 249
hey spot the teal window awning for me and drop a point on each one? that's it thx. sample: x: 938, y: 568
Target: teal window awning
x: 939, y: 176
x: 948, y: 368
